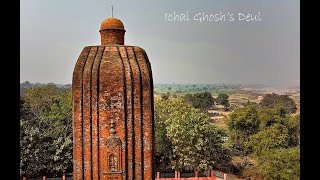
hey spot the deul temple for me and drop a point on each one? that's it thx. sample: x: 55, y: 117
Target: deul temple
x: 113, y: 125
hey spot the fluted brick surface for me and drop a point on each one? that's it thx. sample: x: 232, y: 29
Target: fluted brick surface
x: 113, y: 83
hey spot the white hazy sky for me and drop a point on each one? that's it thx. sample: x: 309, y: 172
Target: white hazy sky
x: 54, y: 32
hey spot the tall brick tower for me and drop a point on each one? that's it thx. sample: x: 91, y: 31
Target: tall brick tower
x: 113, y: 128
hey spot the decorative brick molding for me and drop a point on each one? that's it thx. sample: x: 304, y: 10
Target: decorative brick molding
x: 113, y: 125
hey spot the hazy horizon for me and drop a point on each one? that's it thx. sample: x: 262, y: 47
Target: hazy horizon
x: 258, y: 86
x: 53, y: 33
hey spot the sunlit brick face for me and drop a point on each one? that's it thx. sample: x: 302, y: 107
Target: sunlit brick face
x: 112, y: 37
x: 112, y: 32
x: 113, y: 115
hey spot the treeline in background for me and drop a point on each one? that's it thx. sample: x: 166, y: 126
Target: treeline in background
x: 259, y: 140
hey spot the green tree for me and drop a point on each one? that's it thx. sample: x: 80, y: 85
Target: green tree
x: 34, y: 139
x: 165, y: 96
x: 193, y: 141
x: 242, y: 123
x: 39, y: 100
x: 293, y: 124
x: 45, y: 131
x: 223, y: 99
x: 280, y: 164
x: 268, y: 136
x: 202, y: 100
x: 273, y: 137
x: 30, y: 163
x: 273, y: 100
x: 188, y: 98
x: 61, y: 132
x: 163, y: 148
x: 273, y: 116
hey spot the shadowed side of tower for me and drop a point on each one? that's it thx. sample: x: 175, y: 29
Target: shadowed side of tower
x: 113, y: 125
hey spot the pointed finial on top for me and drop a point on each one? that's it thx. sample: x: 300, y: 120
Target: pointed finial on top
x: 112, y: 10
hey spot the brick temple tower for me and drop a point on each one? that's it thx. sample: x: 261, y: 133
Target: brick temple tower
x: 112, y: 91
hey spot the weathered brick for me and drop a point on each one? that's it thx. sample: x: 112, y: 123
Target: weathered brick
x: 113, y: 126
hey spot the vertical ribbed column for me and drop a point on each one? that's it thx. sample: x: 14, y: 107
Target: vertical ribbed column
x: 103, y: 80
x: 112, y: 100
x: 147, y: 114
x: 95, y: 110
x: 77, y: 114
x: 87, y: 114
x: 137, y: 94
x: 151, y: 140
x: 113, y: 83
x: 117, y: 90
x: 128, y: 106
x: 141, y: 100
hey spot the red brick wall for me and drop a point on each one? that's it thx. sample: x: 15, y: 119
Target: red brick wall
x: 113, y: 83
x: 112, y: 36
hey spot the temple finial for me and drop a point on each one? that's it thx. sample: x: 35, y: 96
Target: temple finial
x: 111, y: 10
